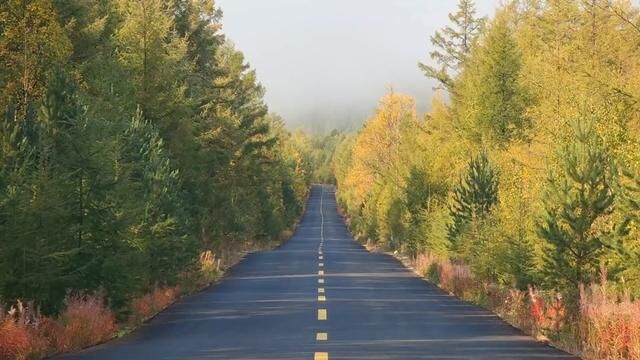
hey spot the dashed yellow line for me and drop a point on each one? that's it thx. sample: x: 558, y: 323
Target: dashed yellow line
x: 321, y: 356
x: 320, y: 257
x: 321, y: 264
x: 320, y: 281
x: 322, y: 314
x: 321, y: 336
x: 320, y: 290
x: 321, y: 272
x: 322, y: 298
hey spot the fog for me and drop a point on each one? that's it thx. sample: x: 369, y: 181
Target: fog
x: 325, y: 63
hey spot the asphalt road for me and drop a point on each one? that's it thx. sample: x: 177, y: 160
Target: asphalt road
x: 322, y: 296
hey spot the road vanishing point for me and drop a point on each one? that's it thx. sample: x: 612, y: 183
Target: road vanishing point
x: 322, y: 296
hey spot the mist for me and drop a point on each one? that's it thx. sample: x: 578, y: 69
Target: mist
x: 326, y: 63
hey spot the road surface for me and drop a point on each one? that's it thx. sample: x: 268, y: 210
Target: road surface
x: 322, y: 296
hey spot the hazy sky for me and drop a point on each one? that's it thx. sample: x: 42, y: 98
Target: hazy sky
x: 329, y: 61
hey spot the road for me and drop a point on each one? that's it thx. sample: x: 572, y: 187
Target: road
x: 322, y: 296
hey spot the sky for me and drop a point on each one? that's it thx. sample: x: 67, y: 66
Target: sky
x: 326, y: 63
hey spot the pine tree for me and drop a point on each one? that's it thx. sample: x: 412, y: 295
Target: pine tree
x: 454, y: 43
x: 474, y: 195
x: 576, y: 198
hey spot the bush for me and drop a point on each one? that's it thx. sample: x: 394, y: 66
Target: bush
x: 85, y: 321
x: 152, y: 303
x: 20, y: 336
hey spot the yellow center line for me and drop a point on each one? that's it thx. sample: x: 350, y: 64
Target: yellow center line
x: 321, y: 290
x: 322, y: 337
x: 320, y: 281
x: 322, y: 298
x: 320, y: 257
x: 321, y: 356
x: 321, y: 264
x: 322, y: 314
x: 320, y: 272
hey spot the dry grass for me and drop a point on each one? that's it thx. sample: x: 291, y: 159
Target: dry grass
x: 610, y: 323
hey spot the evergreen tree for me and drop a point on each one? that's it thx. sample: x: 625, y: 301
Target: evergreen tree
x: 474, y: 195
x: 453, y: 44
x: 576, y: 198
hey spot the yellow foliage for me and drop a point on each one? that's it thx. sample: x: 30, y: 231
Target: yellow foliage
x: 376, y: 151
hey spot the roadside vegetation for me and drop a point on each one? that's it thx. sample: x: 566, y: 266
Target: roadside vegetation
x: 138, y: 160
x: 520, y: 189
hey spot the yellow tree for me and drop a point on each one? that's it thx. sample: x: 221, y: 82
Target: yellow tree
x: 154, y: 54
x: 377, y: 148
x: 31, y: 42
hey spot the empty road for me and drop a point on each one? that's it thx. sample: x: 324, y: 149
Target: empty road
x: 322, y: 296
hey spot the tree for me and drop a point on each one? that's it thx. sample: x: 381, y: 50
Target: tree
x: 153, y: 54
x: 576, y: 199
x: 31, y: 41
x: 474, y: 195
x: 453, y: 45
x: 157, y: 220
x: 491, y: 102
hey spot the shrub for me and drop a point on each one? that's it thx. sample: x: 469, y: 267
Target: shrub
x: 85, y: 321
x: 20, y: 333
x: 285, y: 235
x: 152, y: 303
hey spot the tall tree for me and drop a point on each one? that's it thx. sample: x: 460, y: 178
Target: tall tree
x: 153, y: 53
x: 491, y: 101
x: 453, y: 44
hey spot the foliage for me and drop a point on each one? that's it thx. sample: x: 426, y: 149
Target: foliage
x: 575, y: 201
x: 134, y: 137
x: 490, y: 100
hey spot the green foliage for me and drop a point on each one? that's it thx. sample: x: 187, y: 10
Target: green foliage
x: 576, y: 199
x: 150, y: 145
x: 474, y: 195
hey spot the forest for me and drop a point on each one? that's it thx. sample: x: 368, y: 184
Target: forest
x: 138, y: 159
x: 520, y: 189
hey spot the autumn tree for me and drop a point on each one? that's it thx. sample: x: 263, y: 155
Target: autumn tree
x: 31, y: 41
x: 153, y: 54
